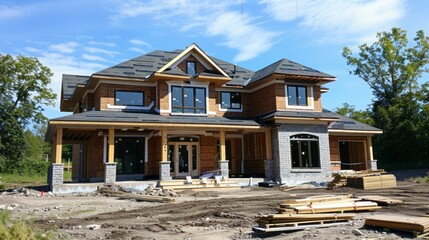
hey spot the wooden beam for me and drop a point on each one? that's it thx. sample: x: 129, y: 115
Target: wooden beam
x: 58, y: 146
x: 164, y: 145
x: 268, y: 153
x: 369, y: 148
x: 222, y: 145
x: 111, y: 155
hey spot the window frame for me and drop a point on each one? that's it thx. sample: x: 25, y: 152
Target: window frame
x: 128, y: 91
x: 230, y: 101
x: 195, y: 108
x: 309, y: 97
x: 310, y: 140
x: 195, y: 68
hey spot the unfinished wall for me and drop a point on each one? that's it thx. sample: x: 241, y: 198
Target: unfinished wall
x: 254, y: 154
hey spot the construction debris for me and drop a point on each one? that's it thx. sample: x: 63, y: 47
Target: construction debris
x: 369, y: 179
x: 399, y: 222
x: 148, y: 195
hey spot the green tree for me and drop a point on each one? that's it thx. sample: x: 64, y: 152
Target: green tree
x: 392, y: 68
x: 350, y: 111
x: 23, y: 94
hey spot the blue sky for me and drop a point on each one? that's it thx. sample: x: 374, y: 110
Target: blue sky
x: 82, y: 37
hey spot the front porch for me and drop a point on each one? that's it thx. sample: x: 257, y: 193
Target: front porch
x: 114, y: 153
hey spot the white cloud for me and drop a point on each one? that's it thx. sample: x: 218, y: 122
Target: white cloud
x: 106, y: 44
x: 68, y: 47
x: 250, y: 40
x: 213, y: 18
x: 94, y: 58
x: 338, y: 21
x: 10, y: 12
x: 100, y: 50
x: 136, y: 49
x: 140, y: 42
x: 32, y: 50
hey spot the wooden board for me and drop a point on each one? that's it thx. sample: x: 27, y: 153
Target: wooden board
x: 399, y: 222
x: 338, y: 207
x: 319, y: 198
x: 372, y: 182
x: 284, y: 229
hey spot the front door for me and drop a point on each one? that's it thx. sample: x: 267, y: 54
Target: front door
x: 184, y: 159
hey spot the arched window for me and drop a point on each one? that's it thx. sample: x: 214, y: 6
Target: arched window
x: 305, y: 151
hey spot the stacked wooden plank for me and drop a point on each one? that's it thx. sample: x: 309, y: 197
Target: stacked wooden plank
x: 326, y: 204
x: 285, y: 222
x: 399, y: 222
x: 369, y: 179
x: 314, y: 212
x: 199, y: 185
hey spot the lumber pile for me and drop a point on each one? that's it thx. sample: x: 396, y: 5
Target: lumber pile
x: 369, y: 179
x: 399, y: 222
x: 326, y: 204
x: 290, y: 222
x: 313, y: 212
x: 132, y: 196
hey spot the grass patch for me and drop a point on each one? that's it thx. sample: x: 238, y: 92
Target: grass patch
x: 420, y: 179
x: 15, y: 180
x: 20, y: 229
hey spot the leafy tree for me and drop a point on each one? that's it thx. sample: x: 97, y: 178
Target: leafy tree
x: 392, y: 68
x: 23, y: 93
x: 350, y: 111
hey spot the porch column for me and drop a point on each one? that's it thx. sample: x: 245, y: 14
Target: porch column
x: 164, y: 165
x: 224, y: 168
x: 56, y: 170
x: 269, y: 162
x: 372, y: 163
x: 110, y: 165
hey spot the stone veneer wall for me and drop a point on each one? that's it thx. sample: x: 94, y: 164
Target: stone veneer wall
x: 282, y: 154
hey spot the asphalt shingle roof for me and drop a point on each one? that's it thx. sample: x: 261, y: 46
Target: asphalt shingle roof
x: 152, y: 117
x: 345, y: 123
x: 288, y: 67
x: 70, y: 82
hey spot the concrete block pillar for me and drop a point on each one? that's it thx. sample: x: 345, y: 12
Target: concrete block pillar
x: 55, y: 176
x: 224, y: 168
x: 164, y: 171
x: 372, y: 165
x: 269, y: 170
x: 110, y: 173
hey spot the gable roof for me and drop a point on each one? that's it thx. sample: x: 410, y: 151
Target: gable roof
x: 189, y: 50
x: 288, y: 67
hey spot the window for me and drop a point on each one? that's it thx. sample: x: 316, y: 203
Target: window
x: 297, y: 95
x: 305, y: 151
x: 128, y: 98
x: 188, y: 99
x: 230, y: 100
x: 191, y: 68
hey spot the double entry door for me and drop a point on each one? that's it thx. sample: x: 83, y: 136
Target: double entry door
x: 183, y: 157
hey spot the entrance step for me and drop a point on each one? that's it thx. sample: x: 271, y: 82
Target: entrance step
x: 198, y: 185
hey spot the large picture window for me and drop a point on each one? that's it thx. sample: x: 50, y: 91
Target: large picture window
x: 188, y: 99
x: 230, y: 100
x: 305, y: 151
x: 127, y: 98
x: 297, y: 95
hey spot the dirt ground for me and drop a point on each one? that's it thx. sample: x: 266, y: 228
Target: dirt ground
x: 201, y: 215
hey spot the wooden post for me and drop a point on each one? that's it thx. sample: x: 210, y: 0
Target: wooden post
x: 268, y: 153
x: 111, y: 157
x: 222, y: 145
x: 164, y: 145
x: 369, y: 146
x: 58, y: 146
